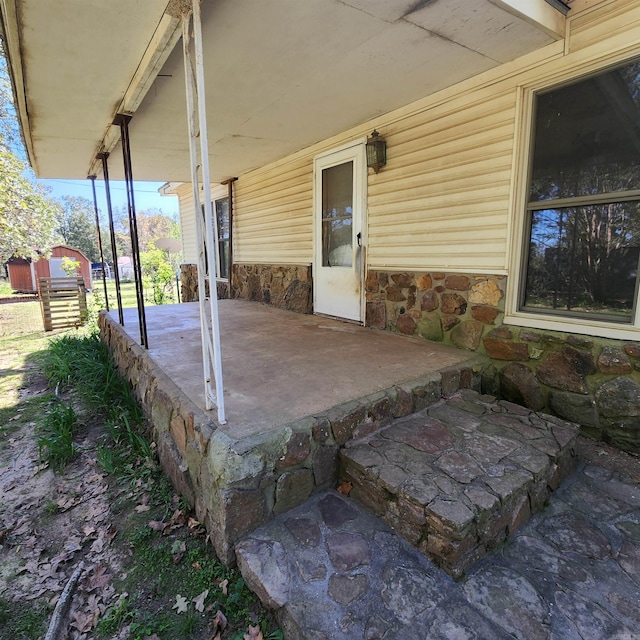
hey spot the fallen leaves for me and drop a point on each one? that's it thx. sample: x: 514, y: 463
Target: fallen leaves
x: 177, y: 521
x: 50, y: 522
x: 181, y: 605
x: 82, y: 621
x: 98, y: 579
x: 345, y: 488
x: 144, y: 504
x: 219, y: 625
x: 255, y: 633
x: 199, y: 600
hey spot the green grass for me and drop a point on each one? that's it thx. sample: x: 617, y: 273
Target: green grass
x: 55, y: 435
x: 5, y: 288
x: 127, y: 292
x: 22, y: 620
x: 83, y: 362
x: 156, y: 565
x: 20, y: 364
x: 154, y: 578
x: 160, y: 565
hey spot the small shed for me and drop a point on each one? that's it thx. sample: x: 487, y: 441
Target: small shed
x: 24, y: 273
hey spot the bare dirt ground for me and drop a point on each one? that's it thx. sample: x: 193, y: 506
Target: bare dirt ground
x: 48, y: 522
x: 52, y: 522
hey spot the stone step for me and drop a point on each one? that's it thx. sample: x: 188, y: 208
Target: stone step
x: 457, y: 478
x: 333, y: 571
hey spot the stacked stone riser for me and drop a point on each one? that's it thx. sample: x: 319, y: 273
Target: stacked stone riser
x: 451, y: 500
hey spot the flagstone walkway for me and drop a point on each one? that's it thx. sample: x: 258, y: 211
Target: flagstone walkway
x: 336, y: 572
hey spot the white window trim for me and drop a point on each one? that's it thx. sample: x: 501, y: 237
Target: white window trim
x: 523, y: 149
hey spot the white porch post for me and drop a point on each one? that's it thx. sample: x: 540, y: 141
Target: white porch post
x: 206, y: 225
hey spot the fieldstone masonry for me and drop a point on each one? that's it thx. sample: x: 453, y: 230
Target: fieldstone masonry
x: 457, y: 478
x: 592, y: 381
x: 238, y: 484
x: 333, y: 571
x: 284, y: 286
x: 189, y: 284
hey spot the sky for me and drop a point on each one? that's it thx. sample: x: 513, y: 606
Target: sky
x: 145, y: 194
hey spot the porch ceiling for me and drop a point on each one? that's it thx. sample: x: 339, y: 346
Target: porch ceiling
x: 281, y: 74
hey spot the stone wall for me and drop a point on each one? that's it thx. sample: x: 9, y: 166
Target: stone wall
x: 592, y: 381
x: 286, y: 287
x: 237, y: 485
x: 189, y: 284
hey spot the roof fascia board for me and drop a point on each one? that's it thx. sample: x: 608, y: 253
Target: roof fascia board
x: 539, y: 13
x: 13, y: 51
x: 170, y: 188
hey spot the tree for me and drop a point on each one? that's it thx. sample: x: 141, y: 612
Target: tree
x: 158, y: 274
x: 152, y: 225
x: 77, y: 226
x: 27, y: 215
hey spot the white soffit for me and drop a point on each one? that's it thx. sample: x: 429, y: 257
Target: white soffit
x: 281, y: 74
x: 78, y: 59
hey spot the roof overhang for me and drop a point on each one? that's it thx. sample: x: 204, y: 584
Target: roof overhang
x: 281, y: 74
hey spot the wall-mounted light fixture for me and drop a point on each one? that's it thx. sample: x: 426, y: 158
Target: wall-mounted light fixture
x: 376, y: 151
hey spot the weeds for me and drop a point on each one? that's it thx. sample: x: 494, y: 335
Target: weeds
x: 84, y: 363
x: 55, y: 436
x: 178, y: 563
x: 161, y: 563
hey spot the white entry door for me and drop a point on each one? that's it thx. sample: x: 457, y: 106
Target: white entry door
x: 339, y: 202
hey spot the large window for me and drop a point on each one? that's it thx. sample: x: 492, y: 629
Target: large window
x: 221, y: 212
x: 583, y: 211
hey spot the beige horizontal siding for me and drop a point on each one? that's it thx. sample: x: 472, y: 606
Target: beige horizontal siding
x: 273, y: 218
x: 187, y: 224
x: 610, y: 24
x: 443, y: 200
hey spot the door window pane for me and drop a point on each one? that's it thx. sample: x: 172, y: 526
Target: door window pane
x: 337, y: 216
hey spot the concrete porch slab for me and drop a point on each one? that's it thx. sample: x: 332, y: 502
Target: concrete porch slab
x: 297, y: 388
x: 280, y: 366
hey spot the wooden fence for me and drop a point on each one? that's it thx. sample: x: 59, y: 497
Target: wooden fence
x: 63, y: 302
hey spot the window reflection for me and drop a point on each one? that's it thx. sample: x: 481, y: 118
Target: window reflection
x: 583, y: 242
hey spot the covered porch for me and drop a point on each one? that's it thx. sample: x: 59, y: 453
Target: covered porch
x: 296, y: 387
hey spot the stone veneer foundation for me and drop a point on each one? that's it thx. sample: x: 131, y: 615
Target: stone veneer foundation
x: 287, y: 287
x: 592, y: 381
x: 189, y: 284
x: 238, y: 484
